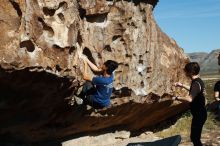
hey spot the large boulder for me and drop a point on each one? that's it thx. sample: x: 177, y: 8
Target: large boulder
x: 40, y: 68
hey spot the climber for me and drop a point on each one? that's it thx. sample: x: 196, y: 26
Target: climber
x: 197, y: 101
x: 97, y: 90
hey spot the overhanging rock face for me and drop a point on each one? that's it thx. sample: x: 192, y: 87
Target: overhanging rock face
x: 40, y: 66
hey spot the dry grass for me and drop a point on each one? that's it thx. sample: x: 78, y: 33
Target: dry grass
x: 181, y: 127
x: 209, y: 89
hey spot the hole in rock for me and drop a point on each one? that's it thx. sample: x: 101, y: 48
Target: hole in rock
x: 64, y: 5
x: 58, y: 68
x: 61, y: 16
x: 48, y: 11
x: 123, y: 41
x: 142, y: 84
x: 149, y: 69
x: 79, y: 38
x: 45, y: 26
x: 141, y: 61
x: 72, y: 49
x: 128, y: 55
x: 88, y: 53
x: 132, y: 24
x: 108, y: 48
x: 99, y: 56
x: 48, y: 68
x: 140, y: 74
x: 96, y: 18
x: 126, y: 65
x: 82, y: 12
x: 55, y: 46
x: 115, y: 37
x: 67, y: 70
x: 51, y: 11
x: 123, y: 92
x: 28, y: 44
x: 16, y: 7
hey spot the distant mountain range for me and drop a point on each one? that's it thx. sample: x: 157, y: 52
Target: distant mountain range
x: 207, y: 61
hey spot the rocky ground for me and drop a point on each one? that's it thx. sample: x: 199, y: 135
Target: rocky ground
x: 212, y: 138
x: 122, y: 138
x: 209, y: 138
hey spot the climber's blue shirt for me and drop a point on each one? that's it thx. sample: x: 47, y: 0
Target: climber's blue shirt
x: 104, y: 86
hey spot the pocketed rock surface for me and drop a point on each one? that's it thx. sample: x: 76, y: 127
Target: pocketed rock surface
x: 40, y: 69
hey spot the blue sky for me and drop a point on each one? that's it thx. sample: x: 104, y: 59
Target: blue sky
x: 194, y: 24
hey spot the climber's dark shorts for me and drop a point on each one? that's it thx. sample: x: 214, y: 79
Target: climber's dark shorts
x: 87, y: 95
x: 88, y: 100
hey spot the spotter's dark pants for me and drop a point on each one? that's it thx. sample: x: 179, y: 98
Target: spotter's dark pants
x: 198, y: 121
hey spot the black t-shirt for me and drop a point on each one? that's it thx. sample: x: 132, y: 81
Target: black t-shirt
x: 217, y: 87
x: 197, y: 89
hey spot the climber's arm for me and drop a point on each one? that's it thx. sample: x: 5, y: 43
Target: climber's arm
x: 91, y: 65
x: 187, y: 98
x: 86, y: 76
x: 195, y: 90
x: 178, y: 84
